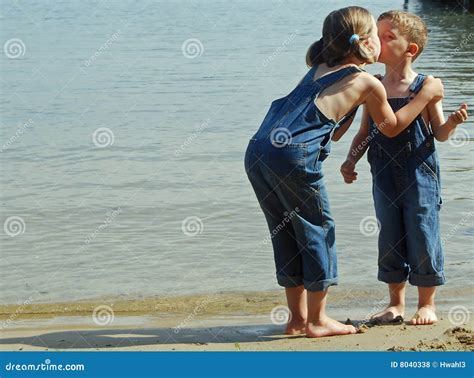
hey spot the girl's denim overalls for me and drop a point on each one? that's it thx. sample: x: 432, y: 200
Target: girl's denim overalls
x: 406, y: 191
x: 283, y: 162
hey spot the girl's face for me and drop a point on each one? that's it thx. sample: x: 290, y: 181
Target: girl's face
x: 373, y: 42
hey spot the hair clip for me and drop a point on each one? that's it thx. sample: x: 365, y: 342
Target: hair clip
x: 354, y: 38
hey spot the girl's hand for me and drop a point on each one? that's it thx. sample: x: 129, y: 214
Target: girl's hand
x: 348, y: 172
x: 459, y: 116
x: 433, y: 88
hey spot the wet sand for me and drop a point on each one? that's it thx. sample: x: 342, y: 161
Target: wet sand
x: 223, y: 321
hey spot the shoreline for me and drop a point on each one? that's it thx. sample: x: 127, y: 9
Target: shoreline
x: 343, y: 302
x: 227, y: 321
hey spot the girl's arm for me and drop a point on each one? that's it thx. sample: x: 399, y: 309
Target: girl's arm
x: 442, y: 129
x: 389, y: 123
x: 359, y: 145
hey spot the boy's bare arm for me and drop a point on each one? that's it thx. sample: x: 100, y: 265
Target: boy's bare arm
x: 442, y: 129
x: 341, y: 130
x: 359, y: 145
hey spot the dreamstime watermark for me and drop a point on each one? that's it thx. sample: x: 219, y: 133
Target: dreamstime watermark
x: 280, y: 137
x: 44, y: 366
x: 375, y: 131
x: 103, y: 137
x: 14, y: 48
x: 280, y: 315
x: 459, y: 137
x: 196, y: 311
x: 456, y: 227
x: 203, y: 126
x: 19, y: 132
x: 103, y: 315
x: 14, y: 226
x: 279, y: 49
x: 192, y: 226
x: 105, y: 224
x: 459, y: 315
x: 102, y: 48
x: 369, y: 225
x: 378, y: 307
x: 192, y: 48
x: 464, y: 41
x: 17, y: 312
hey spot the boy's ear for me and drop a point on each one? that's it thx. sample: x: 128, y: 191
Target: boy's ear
x: 412, y: 49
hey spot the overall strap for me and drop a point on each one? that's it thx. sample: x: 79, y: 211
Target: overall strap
x: 415, y: 87
x: 417, y: 84
x: 332, y: 78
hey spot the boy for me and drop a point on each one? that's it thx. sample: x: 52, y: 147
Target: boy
x: 405, y: 173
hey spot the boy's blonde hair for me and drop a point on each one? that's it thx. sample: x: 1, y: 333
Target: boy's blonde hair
x: 410, y: 25
x: 336, y: 43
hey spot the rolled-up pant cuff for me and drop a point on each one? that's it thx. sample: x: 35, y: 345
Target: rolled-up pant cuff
x: 395, y: 276
x: 319, y: 285
x: 289, y: 281
x: 427, y: 280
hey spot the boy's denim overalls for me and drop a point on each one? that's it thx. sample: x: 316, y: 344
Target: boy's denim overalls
x: 406, y: 191
x: 283, y: 162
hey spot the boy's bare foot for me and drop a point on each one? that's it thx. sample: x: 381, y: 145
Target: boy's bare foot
x: 328, y: 327
x: 425, y: 315
x: 296, y: 327
x: 389, y: 315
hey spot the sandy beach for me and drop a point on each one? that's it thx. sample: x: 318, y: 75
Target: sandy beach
x: 215, y: 322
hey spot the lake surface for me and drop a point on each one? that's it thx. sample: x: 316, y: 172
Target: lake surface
x: 124, y: 126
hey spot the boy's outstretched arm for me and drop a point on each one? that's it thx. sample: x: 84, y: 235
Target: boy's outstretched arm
x: 442, y: 129
x: 359, y: 145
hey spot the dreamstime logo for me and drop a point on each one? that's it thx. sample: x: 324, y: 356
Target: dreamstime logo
x: 459, y: 138
x: 192, y: 226
x: 14, y: 48
x: 103, y: 315
x: 369, y: 225
x: 203, y: 126
x: 14, y: 226
x: 280, y: 48
x: 102, y: 48
x: 280, y: 137
x: 19, y: 132
x: 280, y: 315
x: 192, y: 48
x: 458, y: 315
x: 103, y: 137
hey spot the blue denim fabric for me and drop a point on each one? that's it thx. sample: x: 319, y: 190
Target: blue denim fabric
x: 283, y: 162
x: 407, y: 199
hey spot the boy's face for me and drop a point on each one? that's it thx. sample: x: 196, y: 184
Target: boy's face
x: 393, y: 44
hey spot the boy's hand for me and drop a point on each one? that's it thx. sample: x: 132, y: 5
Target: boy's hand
x: 459, y: 116
x: 433, y: 88
x: 348, y: 172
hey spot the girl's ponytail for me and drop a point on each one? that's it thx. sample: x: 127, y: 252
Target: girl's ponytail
x: 314, y: 55
x: 344, y: 33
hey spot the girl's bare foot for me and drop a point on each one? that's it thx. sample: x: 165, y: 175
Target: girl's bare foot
x: 296, y: 327
x: 389, y: 315
x: 328, y: 327
x: 425, y: 315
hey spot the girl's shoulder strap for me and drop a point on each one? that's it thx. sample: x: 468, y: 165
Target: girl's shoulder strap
x: 333, y: 77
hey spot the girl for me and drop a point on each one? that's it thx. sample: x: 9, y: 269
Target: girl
x: 284, y: 159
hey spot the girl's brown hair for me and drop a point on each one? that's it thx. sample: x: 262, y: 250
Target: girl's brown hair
x: 335, y: 45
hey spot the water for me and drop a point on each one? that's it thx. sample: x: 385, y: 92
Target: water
x: 108, y: 221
